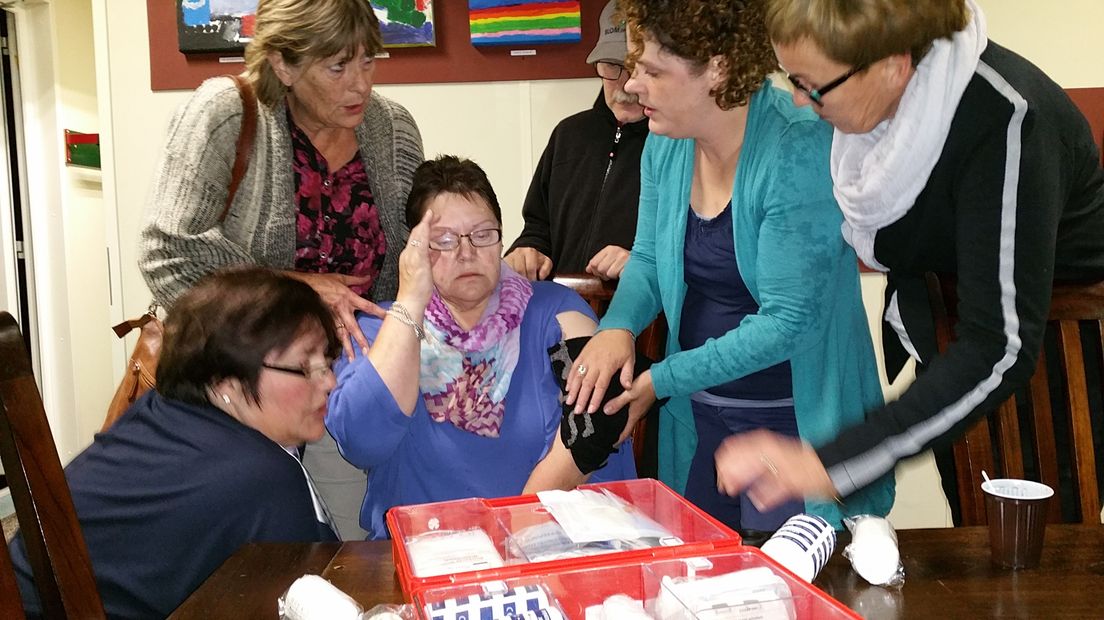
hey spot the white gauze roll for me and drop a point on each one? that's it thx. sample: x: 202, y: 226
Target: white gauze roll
x: 873, y: 550
x: 313, y: 598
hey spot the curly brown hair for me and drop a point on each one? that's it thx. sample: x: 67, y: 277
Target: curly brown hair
x: 698, y: 30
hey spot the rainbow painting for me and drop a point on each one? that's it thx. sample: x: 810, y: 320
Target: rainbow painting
x: 523, y: 22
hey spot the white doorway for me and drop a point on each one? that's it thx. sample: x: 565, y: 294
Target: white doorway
x: 16, y: 265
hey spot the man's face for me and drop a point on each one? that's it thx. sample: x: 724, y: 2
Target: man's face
x: 625, y: 106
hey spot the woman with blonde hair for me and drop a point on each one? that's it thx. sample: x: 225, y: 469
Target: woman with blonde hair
x: 954, y: 155
x: 738, y: 244
x: 324, y: 191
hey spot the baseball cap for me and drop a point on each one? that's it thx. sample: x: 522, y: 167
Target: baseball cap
x: 612, y: 45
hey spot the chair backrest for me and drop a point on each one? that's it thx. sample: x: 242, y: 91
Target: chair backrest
x: 1091, y: 103
x: 999, y: 445
x: 43, y: 505
x: 651, y: 343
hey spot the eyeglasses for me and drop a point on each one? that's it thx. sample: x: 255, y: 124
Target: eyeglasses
x: 310, y: 372
x: 608, y: 70
x: 816, y: 94
x: 477, y: 238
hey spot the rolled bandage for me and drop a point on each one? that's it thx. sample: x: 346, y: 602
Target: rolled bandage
x: 311, y: 597
x: 873, y: 550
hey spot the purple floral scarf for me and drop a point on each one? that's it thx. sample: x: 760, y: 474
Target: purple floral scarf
x: 465, y: 374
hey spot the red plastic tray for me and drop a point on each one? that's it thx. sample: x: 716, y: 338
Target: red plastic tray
x: 697, y: 531
x: 574, y: 588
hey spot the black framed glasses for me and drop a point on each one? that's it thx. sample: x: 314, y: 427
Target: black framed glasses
x: 310, y: 372
x: 816, y: 94
x: 608, y: 70
x: 477, y: 238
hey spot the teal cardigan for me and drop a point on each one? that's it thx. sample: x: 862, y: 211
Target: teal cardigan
x: 791, y: 255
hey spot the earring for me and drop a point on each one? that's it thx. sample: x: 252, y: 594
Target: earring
x: 226, y: 398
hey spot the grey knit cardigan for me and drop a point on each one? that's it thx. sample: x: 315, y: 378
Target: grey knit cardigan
x: 182, y: 239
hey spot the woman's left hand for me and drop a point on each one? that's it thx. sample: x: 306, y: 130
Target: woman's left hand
x: 772, y: 468
x: 334, y: 290
x: 639, y: 398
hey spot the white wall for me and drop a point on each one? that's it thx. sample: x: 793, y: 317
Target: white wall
x: 503, y: 126
x: 1062, y: 37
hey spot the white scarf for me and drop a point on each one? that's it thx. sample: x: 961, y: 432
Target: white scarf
x: 877, y: 176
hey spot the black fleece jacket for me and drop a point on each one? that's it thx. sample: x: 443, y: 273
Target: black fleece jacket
x: 574, y: 208
x: 1015, y: 202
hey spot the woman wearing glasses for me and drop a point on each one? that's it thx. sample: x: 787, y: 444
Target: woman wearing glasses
x: 738, y: 244
x: 456, y: 397
x: 951, y: 154
x: 208, y: 461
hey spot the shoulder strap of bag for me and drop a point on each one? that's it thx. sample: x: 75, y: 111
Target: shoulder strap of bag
x: 124, y: 328
x: 245, y: 139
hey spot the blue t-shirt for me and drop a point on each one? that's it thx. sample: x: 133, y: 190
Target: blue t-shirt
x: 415, y: 460
x: 717, y: 299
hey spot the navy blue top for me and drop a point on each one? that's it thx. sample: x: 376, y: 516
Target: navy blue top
x: 167, y: 494
x: 717, y: 300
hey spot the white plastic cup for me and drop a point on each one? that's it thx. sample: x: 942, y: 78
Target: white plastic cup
x: 1014, y: 488
x: 803, y: 544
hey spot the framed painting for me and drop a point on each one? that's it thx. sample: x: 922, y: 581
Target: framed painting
x: 406, y: 23
x: 524, y: 22
x: 215, y: 25
x: 207, y: 26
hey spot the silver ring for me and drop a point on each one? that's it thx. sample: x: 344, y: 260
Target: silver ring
x: 339, y: 325
x: 581, y: 370
x: 415, y: 243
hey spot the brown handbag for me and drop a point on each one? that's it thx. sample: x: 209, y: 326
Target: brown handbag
x: 141, y: 370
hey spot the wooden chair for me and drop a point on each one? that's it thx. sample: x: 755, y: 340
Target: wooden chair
x: 44, y: 508
x: 999, y: 442
x: 1091, y: 103
x: 651, y: 343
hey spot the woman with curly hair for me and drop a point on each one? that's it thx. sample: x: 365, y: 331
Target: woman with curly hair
x: 738, y: 242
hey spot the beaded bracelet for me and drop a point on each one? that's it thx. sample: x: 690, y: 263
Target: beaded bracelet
x: 400, y: 312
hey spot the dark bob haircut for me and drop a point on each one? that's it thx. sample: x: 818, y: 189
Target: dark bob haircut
x: 225, y: 326
x: 448, y: 174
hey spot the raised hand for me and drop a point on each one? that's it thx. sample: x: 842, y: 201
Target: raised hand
x: 415, y: 270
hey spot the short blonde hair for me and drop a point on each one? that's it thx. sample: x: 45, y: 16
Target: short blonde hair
x: 306, y: 30
x: 861, y: 32
x: 698, y: 30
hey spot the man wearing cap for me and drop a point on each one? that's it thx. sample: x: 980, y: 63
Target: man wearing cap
x: 580, y: 212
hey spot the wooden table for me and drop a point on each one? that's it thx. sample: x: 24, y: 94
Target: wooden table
x: 948, y: 575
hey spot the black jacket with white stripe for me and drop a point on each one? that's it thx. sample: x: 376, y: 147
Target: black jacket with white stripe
x: 1015, y: 202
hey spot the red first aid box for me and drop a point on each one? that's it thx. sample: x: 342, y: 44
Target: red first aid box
x: 429, y: 541
x: 667, y: 588
x: 506, y: 520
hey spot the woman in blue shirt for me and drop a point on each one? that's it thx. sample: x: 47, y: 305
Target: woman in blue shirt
x: 456, y: 397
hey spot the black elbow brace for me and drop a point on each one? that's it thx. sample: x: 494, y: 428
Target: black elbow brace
x: 591, y: 438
